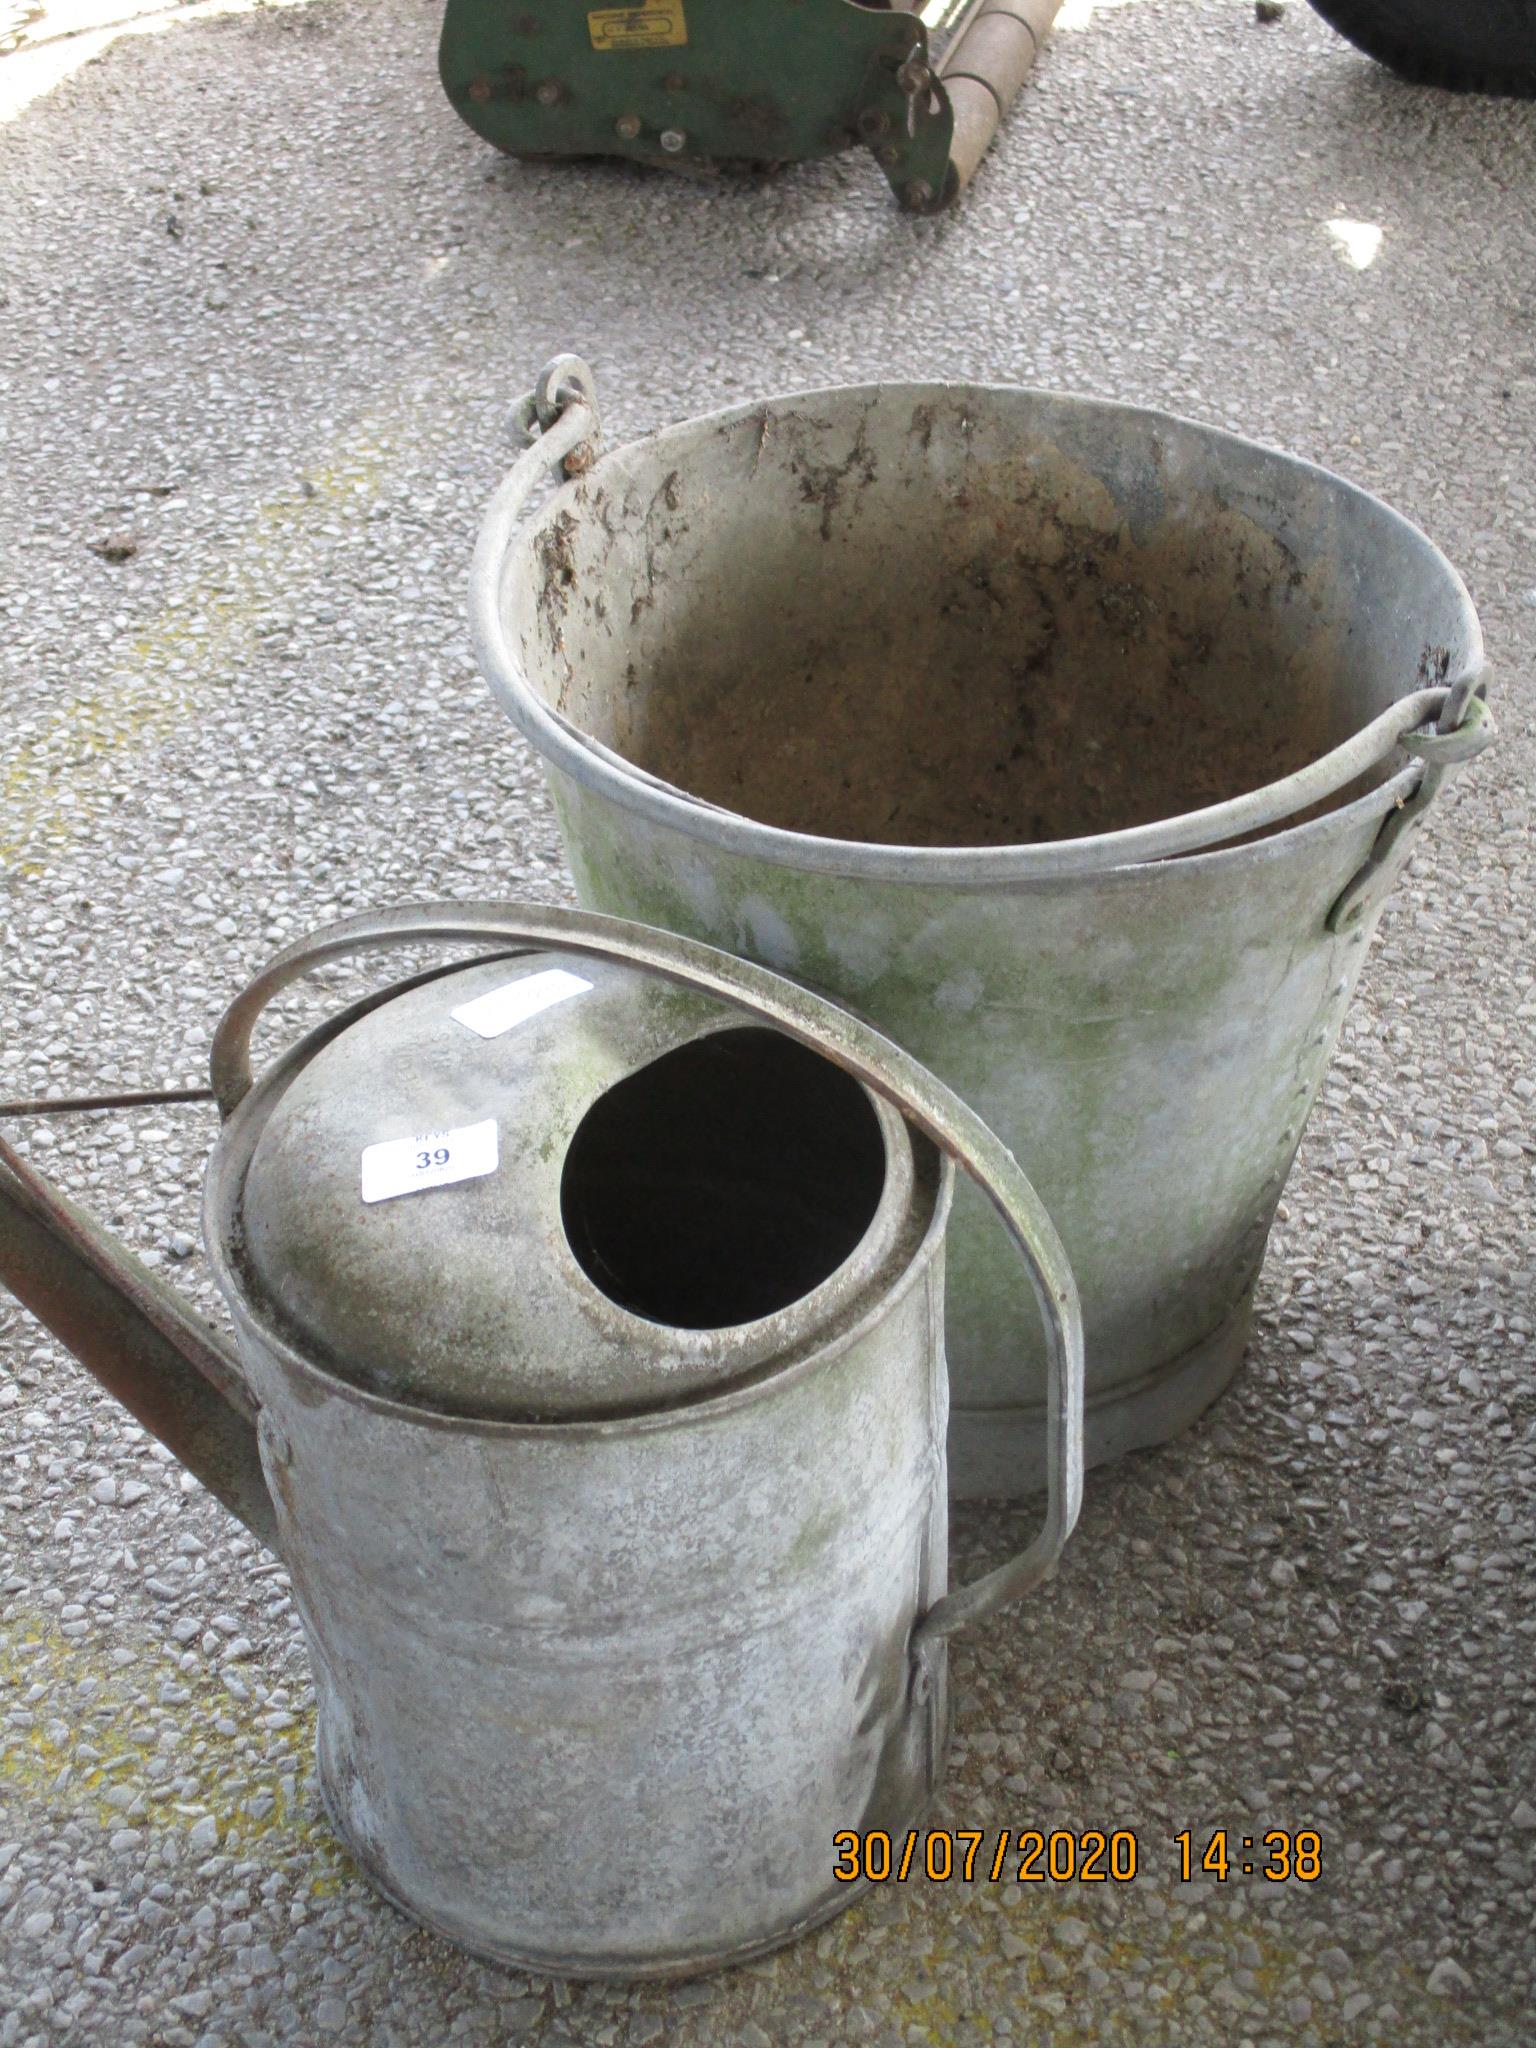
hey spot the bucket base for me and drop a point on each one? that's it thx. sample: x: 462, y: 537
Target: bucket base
x: 999, y: 1453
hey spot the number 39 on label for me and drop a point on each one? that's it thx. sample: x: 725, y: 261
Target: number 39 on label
x: 435, y: 1159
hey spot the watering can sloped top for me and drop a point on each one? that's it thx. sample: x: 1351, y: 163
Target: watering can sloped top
x: 322, y: 1242
x: 628, y: 1197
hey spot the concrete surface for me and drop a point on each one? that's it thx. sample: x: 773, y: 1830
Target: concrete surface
x: 265, y: 302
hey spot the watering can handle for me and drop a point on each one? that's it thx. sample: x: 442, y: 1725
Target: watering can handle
x: 849, y: 1043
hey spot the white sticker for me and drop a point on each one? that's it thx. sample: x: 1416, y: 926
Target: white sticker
x: 404, y: 1166
x: 505, y: 1008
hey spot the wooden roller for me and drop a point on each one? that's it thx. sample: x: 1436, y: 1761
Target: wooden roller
x: 983, y: 69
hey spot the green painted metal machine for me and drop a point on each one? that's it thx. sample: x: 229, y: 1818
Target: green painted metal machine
x: 707, y: 84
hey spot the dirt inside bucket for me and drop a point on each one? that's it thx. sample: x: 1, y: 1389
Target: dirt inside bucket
x: 1023, y: 699
x: 1013, y: 660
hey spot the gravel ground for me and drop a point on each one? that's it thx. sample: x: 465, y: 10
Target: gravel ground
x: 265, y: 302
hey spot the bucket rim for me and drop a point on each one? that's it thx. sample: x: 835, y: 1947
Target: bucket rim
x: 1209, y: 830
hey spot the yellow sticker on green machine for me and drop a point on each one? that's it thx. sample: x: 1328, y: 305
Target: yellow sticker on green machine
x: 658, y: 25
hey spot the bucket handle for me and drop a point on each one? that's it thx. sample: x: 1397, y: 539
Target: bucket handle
x: 849, y: 1043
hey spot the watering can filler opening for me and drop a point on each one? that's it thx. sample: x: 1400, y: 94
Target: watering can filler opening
x: 723, y: 1181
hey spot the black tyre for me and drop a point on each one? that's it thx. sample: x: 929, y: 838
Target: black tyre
x: 1467, y: 45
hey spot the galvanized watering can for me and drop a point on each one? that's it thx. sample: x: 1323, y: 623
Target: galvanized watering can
x: 1076, y: 745
x: 590, y: 1382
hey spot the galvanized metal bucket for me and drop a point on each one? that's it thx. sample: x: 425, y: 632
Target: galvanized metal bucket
x: 618, y: 1615
x: 1075, y: 744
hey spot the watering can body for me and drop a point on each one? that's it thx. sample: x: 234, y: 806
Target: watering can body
x: 595, y: 1698
x: 617, y: 1612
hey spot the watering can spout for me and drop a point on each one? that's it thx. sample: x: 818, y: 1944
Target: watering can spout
x: 146, y: 1345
